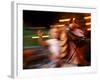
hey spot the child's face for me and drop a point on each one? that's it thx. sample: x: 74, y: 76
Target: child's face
x: 55, y: 33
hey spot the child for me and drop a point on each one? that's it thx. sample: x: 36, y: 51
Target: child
x: 53, y: 44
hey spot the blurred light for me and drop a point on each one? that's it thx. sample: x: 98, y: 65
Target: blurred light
x: 60, y: 25
x: 73, y: 19
x: 64, y: 20
x: 46, y: 36
x: 88, y: 23
x: 87, y: 17
x: 88, y: 29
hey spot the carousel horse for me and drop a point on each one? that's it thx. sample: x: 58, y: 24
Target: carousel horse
x: 74, y: 45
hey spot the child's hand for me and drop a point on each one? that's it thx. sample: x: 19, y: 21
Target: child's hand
x: 40, y: 33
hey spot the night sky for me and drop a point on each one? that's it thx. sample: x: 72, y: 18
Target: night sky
x: 45, y: 19
x: 39, y: 18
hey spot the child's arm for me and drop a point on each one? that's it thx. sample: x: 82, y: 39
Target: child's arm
x: 40, y: 40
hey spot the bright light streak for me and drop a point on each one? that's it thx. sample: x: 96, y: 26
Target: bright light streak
x: 88, y: 23
x: 60, y: 25
x: 87, y: 17
x: 88, y: 29
x: 64, y: 20
x: 35, y: 37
